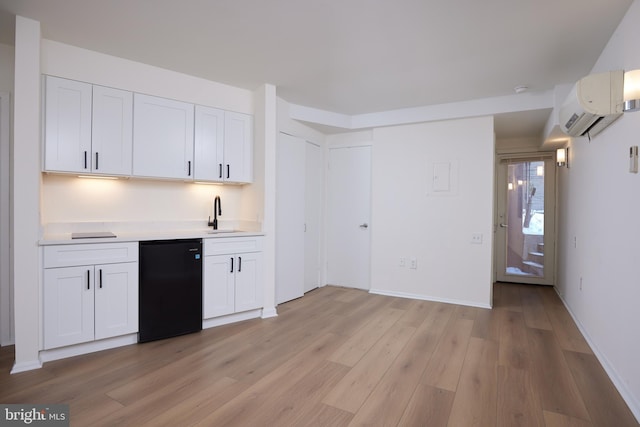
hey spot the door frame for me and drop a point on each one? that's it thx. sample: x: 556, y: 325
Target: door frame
x: 6, y: 291
x: 550, y: 235
x: 309, y: 145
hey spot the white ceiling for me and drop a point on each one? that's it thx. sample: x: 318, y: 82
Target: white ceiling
x: 349, y: 56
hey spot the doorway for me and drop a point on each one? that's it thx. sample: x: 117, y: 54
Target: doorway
x: 348, y: 217
x: 525, y: 220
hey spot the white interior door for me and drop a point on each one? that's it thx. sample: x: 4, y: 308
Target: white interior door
x: 348, y: 217
x: 525, y: 221
x: 313, y: 205
x: 290, y: 239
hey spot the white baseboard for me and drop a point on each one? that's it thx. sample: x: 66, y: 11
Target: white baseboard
x: 617, y: 381
x: 89, y: 347
x: 428, y: 298
x: 231, y: 318
x: 26, y: 366
x: 269, y: 312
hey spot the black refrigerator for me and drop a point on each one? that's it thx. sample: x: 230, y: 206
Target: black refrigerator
x: 170, y: 287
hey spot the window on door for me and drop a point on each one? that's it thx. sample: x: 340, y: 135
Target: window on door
x: 525, y: 220
x: 525, y: 212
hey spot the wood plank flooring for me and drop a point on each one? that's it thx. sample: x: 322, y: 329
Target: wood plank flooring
x: 343, y: 357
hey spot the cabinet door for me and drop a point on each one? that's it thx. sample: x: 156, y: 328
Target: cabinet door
x: 67, y: 135
x: 116, y: 299
x: 112, y: 131
x: 209, y: 143
x: 68, y: 306
x: 218, y: 286
x: 238, y: 147
x: 248, y: 270
x: 162, y: 138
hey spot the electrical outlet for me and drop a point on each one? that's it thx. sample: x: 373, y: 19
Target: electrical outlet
x: 403, y: 262
x: 413, y: 263
x: 476, y: 238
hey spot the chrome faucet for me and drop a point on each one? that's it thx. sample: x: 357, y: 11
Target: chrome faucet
x: 217, y: 210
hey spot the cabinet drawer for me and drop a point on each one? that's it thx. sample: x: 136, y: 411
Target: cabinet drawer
x: 232, y: 245
x: 89, y: 253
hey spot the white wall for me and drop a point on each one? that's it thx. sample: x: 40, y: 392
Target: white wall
x: 410, y: 220
x: 266, y: 135
x: 296, y: 128
x: 599, y: 206
x: 67, y: 198
x: 7, y: 65
x: 26, y: 194
x: 71, y: 62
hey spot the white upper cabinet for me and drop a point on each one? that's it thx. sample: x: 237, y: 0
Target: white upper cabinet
x: 88, y: 129
x: 238, y: 147
x: 67, y: 112
x: 209, y: 144
x: 223, y: 146
x: 162, y: 138
x: 112, y: 131
x: 91, y: 129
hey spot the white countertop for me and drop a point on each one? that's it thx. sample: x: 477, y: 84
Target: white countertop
x: 62, y: 235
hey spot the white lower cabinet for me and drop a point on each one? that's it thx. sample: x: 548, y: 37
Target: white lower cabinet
x: 89, y: 302
x: 232, y: 276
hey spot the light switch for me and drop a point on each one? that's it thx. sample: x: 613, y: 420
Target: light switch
x: 633, y: 159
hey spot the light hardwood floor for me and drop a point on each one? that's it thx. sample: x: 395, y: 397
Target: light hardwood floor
x: 341, y: 357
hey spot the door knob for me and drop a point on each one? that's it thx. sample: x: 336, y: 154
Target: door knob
x: 504, y: 225
x: 365, y: 225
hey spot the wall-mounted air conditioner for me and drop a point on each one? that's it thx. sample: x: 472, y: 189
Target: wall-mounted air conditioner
x: 593, y: 104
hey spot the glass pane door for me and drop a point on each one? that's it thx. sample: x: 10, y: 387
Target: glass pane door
x: 525, y: 222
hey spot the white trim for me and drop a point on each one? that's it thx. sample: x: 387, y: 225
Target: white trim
x: 26, y: 366
x: 428, y: 113
x: 428, y: 298
x: 617, y: 381
x: 269, y: 312
x: 231, y: 318
x: 89, y: 347
x: 6, y: 292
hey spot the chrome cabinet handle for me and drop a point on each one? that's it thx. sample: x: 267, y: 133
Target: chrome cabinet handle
x: 504, y: 226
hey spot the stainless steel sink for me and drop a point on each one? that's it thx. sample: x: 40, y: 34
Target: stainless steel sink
x: 220, y: 231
